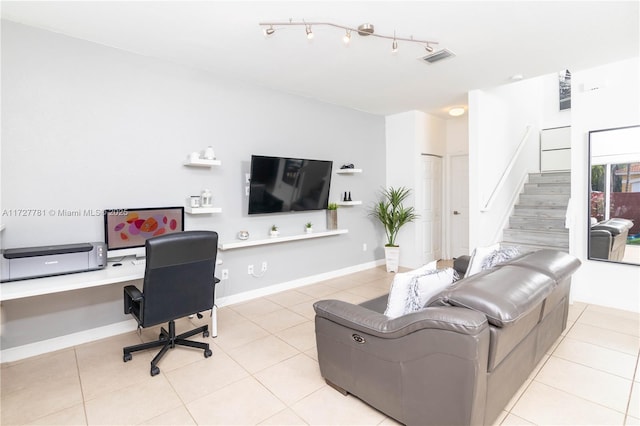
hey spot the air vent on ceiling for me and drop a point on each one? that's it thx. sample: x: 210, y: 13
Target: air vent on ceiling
x: 437, y: 56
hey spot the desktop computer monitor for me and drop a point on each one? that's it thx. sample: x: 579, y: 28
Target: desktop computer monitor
x: 126, y: 230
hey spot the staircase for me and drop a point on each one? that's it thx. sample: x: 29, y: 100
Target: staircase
x: 538, y: 220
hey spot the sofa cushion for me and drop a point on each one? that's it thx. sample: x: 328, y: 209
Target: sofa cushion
x: 549, y: 262
x: 411, y: 292
x: 504, y: 295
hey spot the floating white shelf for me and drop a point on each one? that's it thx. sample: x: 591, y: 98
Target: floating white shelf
x: 281, y: 239
x: 202, y: 210
x: 349, y: 203
x: 202, y: 162
x: 348, y: 171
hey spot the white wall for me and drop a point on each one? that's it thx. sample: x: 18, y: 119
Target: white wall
x: 615, y: 104
x: 408, y: 136
x: 498, y: 119
x: 91, y: 127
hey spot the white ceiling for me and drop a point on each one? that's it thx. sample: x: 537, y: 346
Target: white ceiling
x: 493, y: 40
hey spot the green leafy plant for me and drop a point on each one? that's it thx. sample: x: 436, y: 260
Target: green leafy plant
x: 332, y: 206
x: 274, y: 228
x: 392, y: 213
x: 308, y: 225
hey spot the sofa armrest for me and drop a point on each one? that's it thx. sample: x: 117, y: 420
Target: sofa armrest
x: 459, y: 320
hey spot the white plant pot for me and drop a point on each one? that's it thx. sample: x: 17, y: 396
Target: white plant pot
x: 274, y: 233
x: 308, y: 230
x: 392, y: 257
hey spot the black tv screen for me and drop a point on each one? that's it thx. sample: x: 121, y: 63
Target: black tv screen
x: 288, y: 184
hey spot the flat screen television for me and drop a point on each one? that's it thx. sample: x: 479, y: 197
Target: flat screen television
x: 126, y: 230
x: 280, y: 184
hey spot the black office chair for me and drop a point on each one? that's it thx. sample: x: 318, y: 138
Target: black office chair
x: 178, y: 281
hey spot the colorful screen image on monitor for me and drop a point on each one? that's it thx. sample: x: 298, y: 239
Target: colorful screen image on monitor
x: 130, y: 228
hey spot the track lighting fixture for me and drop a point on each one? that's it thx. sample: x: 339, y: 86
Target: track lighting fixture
x: 347, y: 37
x: 269, y: 31
x: 394, y: 45
x: 362, y: 30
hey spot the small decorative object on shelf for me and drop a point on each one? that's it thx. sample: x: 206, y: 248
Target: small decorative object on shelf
x: 332, y: 216
x: 349, y: 199
x: 308, y: 227
x: 194, y: 156
x: 347, y: 166
x: 209, y: 154
x: 194, y: 201
x: 205, y: 198
x: 274, y: 231
x: 243, y: 235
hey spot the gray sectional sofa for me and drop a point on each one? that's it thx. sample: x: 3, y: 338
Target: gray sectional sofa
x: 461, y: 359
x: 608, y: 239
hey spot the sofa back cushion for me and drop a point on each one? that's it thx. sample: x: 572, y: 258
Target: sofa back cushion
x: 556, y: 264
x: 504, y: 294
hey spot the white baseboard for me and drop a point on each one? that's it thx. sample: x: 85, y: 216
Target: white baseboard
x: 290, y: 285
x: 37, y: 348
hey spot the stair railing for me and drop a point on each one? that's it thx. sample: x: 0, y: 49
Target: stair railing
x: 507, y: 171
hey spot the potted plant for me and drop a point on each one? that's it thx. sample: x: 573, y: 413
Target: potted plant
x: 332, y: 216
x: 393, y: 215
x: 308, y: 227
x: 274, y: 231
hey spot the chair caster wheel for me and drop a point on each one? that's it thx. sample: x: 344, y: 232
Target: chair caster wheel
x: 155, y: 371
x: 127, y: 357
x: 207, y: 353
x: 205, y: 333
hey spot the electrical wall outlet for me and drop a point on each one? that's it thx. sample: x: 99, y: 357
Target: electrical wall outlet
x: 250, y: 269
x: 264, y: 266
x: 225, y: 274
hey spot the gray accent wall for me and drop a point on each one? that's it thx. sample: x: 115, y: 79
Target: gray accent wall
x: 90, y: 127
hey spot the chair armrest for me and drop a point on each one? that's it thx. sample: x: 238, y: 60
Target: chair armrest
x: 459, y: 320
x: 132, y: 299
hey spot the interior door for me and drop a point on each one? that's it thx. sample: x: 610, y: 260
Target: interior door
x: 431, y: 211
x: 459, y: 208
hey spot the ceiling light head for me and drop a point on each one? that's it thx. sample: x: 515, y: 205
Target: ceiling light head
x: 269, y: 31
x: 428, y: 48
x: 394, y: 46
x: 365, y: 29
x: 309, y: 32
x: 456, y: 111
x: 347, y: 37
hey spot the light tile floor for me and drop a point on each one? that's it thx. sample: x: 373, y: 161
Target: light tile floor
x: 264, y: 371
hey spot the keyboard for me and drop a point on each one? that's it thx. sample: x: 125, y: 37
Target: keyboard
x: 139, y: 261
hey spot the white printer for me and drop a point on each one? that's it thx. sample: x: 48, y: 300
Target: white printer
x: 35, y: 262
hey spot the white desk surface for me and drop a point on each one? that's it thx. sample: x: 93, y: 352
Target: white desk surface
x: 59, y: 283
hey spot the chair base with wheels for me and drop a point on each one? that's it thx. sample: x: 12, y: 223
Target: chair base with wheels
x: 168, y: 340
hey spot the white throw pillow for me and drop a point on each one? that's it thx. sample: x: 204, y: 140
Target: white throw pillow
x: 488, y: 257
x: 412, y: 291
x: 477, y: 258
x: 400, y: 289
x: 499, y: 256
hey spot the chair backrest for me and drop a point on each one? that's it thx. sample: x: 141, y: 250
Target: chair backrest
x: 179, y: 275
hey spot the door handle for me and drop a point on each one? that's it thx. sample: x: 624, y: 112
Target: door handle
x: 456, y: 212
